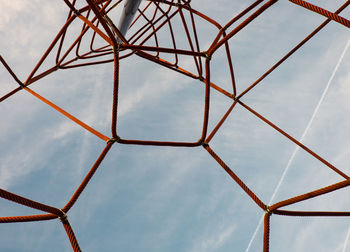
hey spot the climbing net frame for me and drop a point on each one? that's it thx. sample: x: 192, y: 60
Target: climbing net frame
x: 94, y: 17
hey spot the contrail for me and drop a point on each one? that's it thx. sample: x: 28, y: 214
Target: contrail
x: 301, y: 140
x: 346, y: 240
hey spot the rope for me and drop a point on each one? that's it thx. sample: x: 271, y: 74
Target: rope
x: 66, y: 114
x: 28, y: 218
x: 115, y: 94
x: 311, y: 195
x: 310, y: 121
x: 71, y: 236
x: 295, y: 141
x: 28, y: 202
x: 266, y: 241
x: 291, y: 52
x: 236, y: 178
x: 87, y: 178
x: 286, y: 169
x: 322, y: 12
x: 160, y: 19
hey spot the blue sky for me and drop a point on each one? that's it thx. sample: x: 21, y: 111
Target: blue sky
x: 146, y: 198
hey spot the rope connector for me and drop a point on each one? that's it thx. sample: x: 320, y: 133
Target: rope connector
x: 64, y: 217
x: 118, y: 47
x: 76, y: 12
x: 113, y: 139
x: 22, y: 85
x: 268, y: 211
x: 206, y: 55
x: 204, y: 144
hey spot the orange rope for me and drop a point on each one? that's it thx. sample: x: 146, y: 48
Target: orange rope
x: 65, y: 113
x: 71, y: 236
x: 266, y: 245
x: 323, y: 12
x: 98, y: 31
x: 145, y: 51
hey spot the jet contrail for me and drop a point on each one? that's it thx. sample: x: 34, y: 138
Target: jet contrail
x: 301, y: 140
x: 346, y: 240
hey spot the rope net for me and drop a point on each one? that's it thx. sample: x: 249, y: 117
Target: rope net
x: 165, y: 34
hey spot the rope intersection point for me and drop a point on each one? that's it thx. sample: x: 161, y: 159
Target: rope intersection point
x: 64, y: 217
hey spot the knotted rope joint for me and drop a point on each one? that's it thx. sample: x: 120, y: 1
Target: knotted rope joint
x: 64, y: 217
x: 113, y: 139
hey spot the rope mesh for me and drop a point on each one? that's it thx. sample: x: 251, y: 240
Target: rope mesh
x: 145, y: 44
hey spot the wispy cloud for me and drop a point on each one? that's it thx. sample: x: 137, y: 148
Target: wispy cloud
x: 173, y: 198
x: 214, y: 240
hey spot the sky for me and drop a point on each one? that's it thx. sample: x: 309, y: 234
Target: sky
x: 148, y: 198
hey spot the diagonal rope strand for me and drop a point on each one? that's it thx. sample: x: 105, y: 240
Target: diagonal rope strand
x: 300, y: 140
x: 310, y: 121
